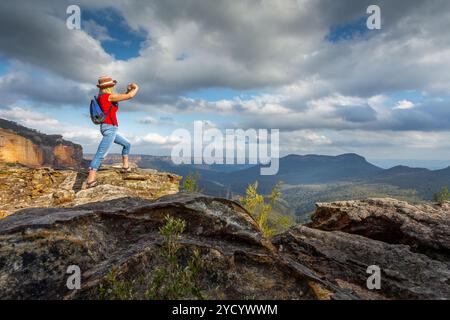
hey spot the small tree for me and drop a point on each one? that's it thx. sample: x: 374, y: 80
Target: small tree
x: 190, y: 183
x: 442, y: 196
x: 259, y: 208
x: 171, y: 281
x: 114, y: 288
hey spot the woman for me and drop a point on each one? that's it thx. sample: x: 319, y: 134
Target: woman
x: 108, y: 101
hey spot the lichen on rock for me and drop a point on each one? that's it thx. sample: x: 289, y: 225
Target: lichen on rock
x: 22, y: 187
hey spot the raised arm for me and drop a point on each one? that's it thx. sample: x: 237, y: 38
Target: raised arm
x: 131, y: 92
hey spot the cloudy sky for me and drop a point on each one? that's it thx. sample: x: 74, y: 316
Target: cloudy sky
x: 310, y: 68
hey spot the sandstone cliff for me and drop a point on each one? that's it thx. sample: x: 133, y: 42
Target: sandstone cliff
x: 37, y: 246
x: 34, y: 149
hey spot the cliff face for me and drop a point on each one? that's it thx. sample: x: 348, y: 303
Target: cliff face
x: 238, y: 262
x: 14, y: 148
x: 31, y: 148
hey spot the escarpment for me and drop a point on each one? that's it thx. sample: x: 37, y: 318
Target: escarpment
x: 31, y: 148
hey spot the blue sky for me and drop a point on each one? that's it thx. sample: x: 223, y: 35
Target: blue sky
x: 309, y: 68
x: 349, y: 30
x: 3, y: 66
x: 122, y: 42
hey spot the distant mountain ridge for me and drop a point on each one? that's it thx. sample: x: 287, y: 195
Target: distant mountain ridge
x: 307, y: 169
x: 296, y: 170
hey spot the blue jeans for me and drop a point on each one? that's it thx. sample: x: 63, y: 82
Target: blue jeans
x: 110, y: 136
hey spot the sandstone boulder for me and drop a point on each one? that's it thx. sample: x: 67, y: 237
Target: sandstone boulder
x: 344, y: 259
x: 425, y: 228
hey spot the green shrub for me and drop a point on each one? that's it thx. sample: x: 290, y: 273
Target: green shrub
x: 190, y: 183
x: 113, y: 288
x: 442, y: 196
x: 261, y: 208
x: 169, y: 281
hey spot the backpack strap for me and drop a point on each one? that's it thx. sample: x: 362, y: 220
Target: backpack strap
x: 110, y: 107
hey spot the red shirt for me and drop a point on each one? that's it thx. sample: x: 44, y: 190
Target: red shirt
x: 105, y: 105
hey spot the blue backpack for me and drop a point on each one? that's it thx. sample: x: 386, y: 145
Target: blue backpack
x: 97, y: 114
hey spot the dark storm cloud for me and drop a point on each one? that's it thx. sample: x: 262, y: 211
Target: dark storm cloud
x: 31, y: 33
x: 42, y: 89
x: 241, y: 45
x: 429, y: 116
x: 357, y: 113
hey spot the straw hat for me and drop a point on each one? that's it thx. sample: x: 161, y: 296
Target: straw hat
x: 106, y: 82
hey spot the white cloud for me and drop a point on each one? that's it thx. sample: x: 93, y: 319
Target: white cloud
x: 29, y: 118
x: 81, y: 133
x: 404, y: 105
x: 155, y: 138
x: 160, y: 121
x: 27, y: 83
x: 303, y: 141
x: 97, y: 31
x: 149, y: 120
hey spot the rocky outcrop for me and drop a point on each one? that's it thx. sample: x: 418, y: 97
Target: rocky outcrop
x: 121, y: 232
x: 423, y: 227
x: 344, y: 259
x: 29, y: 147
x: 38, y: 245
x: 112, y: 158
x: 409, y: 243
x: 45, y: 187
